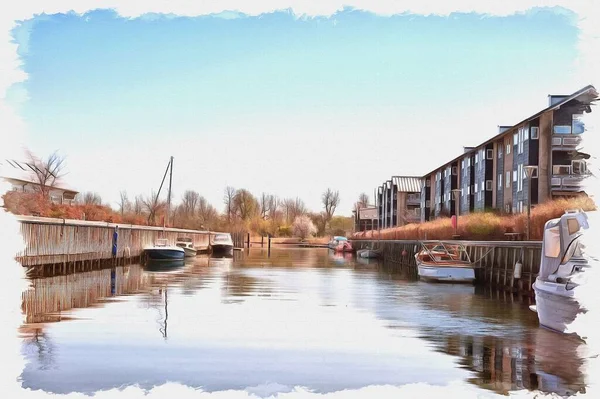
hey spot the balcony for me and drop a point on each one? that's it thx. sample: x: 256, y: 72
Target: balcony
x: 566, y: 141
x: 413, y: 199
x: 568, y: 182
x: 412, y: 215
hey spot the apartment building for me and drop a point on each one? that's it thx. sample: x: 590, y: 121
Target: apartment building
x: 492, y: 175
x: 399, y: 201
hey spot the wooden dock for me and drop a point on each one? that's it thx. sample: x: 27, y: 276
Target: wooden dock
x: 496, y: 259
x: 79, y: 243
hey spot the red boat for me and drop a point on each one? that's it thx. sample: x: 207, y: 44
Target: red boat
x: 343, y: 246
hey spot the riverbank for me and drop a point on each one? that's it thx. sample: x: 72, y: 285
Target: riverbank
x: 488, y: 226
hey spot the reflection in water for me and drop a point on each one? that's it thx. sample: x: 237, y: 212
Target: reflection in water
x: 339, y: 322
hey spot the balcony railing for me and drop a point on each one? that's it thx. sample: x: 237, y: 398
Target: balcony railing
x: 413, y: 199
x: 568, y: 182
x: 413, y: 214
x: 566, y: 140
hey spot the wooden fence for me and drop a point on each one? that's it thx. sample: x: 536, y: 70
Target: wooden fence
x: 496, y: 259
x: 58, y: 241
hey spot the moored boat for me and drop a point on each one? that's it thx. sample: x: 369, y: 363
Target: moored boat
x: 336, y: 241
x: 162, y: 251
x: 222, y: 243
x: 444, y: 262
x: 344, y: 246
x: 187, y: 245
x: 562, y: 259
x: 368, y: 253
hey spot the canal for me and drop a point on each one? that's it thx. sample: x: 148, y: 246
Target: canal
x: 299, y: 318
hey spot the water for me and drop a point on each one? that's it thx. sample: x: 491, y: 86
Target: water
x: 303, y: 317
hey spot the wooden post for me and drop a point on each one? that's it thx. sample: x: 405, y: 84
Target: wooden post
x: 269, y: 245
x: 262, y: 240
x: 248, y: 242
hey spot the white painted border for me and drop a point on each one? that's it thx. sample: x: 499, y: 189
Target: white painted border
x: 13, y: 135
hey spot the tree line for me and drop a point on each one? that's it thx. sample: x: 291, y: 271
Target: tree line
x: 241, y: 210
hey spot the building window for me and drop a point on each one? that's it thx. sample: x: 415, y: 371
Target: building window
x: 535, y: 132
x: 515, y: 138
x: 578, y: 167
x: 507, y: 179
x: 490, y: 154
x: 507, y: 149
x: 534, y: 174
x: 475, y: 188
x: 561, y: 169
x: 507, y: 208
x: 514, y: 176
x: 489, y: 185
x: 468, y: 162
x: 482, y: 185
x: 499, y: 181
x: 476, y: 158
x: 462, y: 164
x: 499, y: 152
x: 454, y: 171
x: 577, y: 124
x: 469, y: 190
x: 562, y: 129
x: 520, y: 175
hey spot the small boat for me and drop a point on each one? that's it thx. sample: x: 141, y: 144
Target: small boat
x: 222, y: 244
x: 439, y: 261
x: 336, y: 241
x: 161, y: 251
x: 562, y: 259
x: 187, y: 245
x: 344, y: 246
x: 368, y: 253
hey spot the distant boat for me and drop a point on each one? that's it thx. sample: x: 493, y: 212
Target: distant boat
x: 222, y: 244
x: 187, y: 245
x: 161, y: 251
x: 336, y: 241
x: 562, y: 259
x: 344, y: 246
x: 439, y: 261
x: 368, y: 253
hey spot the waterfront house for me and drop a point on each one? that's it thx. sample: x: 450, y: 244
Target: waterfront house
x: 365, y: 218
x: 21, y: 176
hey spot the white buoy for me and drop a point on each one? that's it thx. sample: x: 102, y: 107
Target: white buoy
x: 518, y: 266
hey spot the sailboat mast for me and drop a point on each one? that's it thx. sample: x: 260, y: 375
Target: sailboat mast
x: 170, y: 182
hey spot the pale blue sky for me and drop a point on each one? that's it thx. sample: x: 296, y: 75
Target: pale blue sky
x: 279, y: 104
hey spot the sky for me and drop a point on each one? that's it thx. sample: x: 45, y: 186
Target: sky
x: 276, y: 103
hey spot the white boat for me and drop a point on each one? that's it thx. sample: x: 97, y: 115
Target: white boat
x: 222, y: 243
x: 562, y: 259
x: 444, y: 262
x: 368, y: 253
x: 187, y: 245
x: 162, y: 251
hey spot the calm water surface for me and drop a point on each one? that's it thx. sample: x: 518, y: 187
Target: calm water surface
x: 301, y: 317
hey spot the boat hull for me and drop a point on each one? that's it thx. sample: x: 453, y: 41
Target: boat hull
x: 164, y: 254
x: 190, y: 252
x: 555, y: 308
x: 222, y: 248
x: 368, y: 254
x: 446, y: 273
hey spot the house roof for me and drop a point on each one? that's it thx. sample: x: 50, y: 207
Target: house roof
x: 570, y: 97
x: 407, y: 184
x: 24, y: 172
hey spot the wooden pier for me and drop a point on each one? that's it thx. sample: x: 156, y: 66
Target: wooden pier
x: 496, y: 259
x: 79, y: 244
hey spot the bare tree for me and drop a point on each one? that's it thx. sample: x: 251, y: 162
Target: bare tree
x: 124, y: 204
x: 330, y: 201
x: 268, y: 205
x: 363, y: 200
x: 293, y: 207
x: 207, y: 213
x: 190, y: 203
x: 245, y: 204
x: 153, y: 205
x: 90, y: 198
x: 229, y: 206
x: 46, y: 173
x: 138, y: 205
